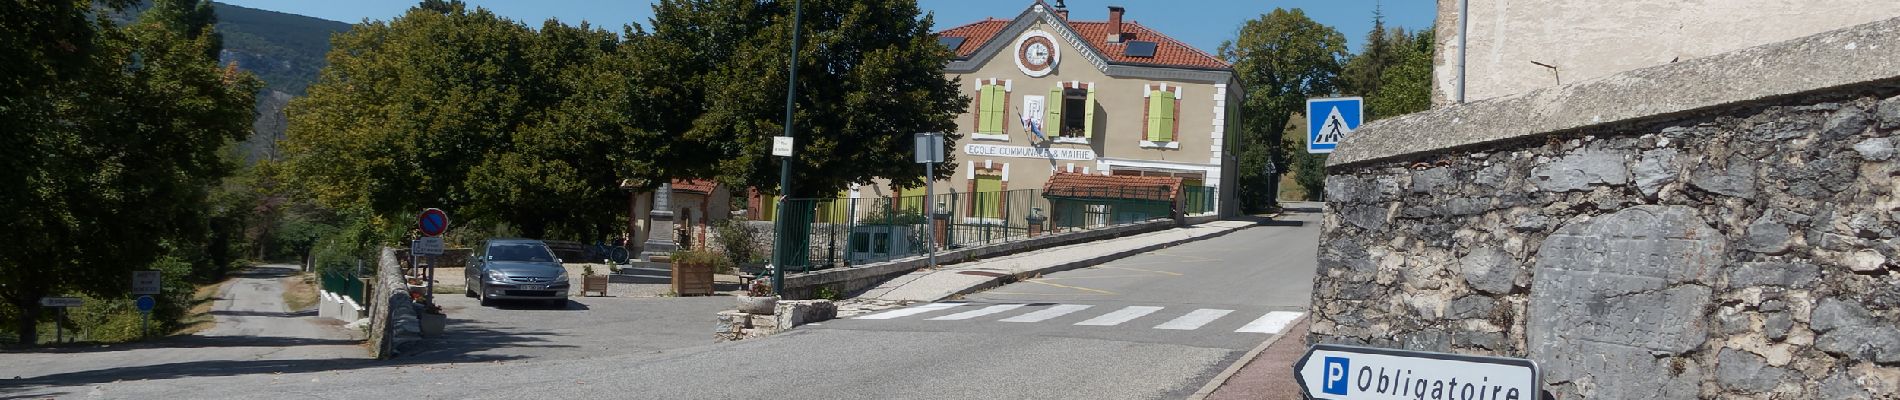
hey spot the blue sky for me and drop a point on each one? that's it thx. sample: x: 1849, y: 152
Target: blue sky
x: 1202, y: 23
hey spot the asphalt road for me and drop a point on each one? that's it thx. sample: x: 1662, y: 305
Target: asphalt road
x: 1248, y: 274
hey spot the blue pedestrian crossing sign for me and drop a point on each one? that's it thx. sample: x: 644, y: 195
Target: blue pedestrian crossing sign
x: 1329, y: 120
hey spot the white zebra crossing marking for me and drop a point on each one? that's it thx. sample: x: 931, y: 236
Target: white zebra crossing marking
x: 900, y: 313
x: 1194, y: 320
x: 1048, y: 313
x: 1273, y: 322
x: 978, y: 312
x: 1125, y: 314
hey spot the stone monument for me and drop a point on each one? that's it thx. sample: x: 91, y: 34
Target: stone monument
x: 660, y: 242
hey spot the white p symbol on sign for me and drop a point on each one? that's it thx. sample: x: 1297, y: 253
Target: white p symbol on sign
x: 1335, y: 372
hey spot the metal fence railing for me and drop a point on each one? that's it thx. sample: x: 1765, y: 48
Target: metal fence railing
x: 344, y: 283
x: 848, y: 231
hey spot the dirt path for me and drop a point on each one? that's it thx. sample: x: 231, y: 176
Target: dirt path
x: 253, y: 333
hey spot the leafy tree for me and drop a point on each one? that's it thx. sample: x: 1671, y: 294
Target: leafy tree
x: 1405, y: 86
x: 870, y: 74
x: 1283, y: 58
x: 115, y: 141
x: 467, y: 111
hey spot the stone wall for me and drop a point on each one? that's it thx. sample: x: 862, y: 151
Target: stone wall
x: 393, y: 326
x: 1736, y: 247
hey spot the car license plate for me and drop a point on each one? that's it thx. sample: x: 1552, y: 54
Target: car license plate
x: 530, y: 287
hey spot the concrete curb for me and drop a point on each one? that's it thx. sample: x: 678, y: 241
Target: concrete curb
x: 1242, y: 362
x: 1089, y: 262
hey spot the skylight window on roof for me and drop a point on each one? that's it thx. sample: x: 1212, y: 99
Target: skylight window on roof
x: 1139, y: 48
x: 951, y: 42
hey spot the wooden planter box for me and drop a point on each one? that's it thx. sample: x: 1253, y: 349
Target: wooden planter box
x: 692, y: 279
x: 597, y: 283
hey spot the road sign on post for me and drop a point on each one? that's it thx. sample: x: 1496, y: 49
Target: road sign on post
x: 147, y: 282
x: 930, y: 152
x: 1329, y: 120
x: 427, y: 246
x: 782, y: 146
x: 432, y: 222
x: 1352, y: 372
x: 61, y: 302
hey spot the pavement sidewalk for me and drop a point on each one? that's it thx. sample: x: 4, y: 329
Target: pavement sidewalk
x: 969, y: 277
x: 1265, y: 373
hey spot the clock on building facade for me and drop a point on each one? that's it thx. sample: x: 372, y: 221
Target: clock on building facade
x: 1036, y: 53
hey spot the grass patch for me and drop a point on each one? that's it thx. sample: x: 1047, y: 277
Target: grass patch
x: 199, y: 318
x: 300, y: 292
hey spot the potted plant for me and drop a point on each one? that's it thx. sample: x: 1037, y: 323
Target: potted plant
x: 432, y: 320
x: 693, y: 272
x: 758, y: 298
x: 592, y: 282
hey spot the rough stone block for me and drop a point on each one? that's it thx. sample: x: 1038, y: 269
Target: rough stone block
x: 1840, y: 386
x: 1845, y: 123
x: 1490, y: 270
x: 791, y: 314
x: 1657, y: 169
x: 1867, y: 261
x: 1777, y: 325
x: 1879, y: 344
x: 1370, y: 217
x: 1471, y: 307
x: 1740, y: 370
x: 1737, y: 179
x: 1889, y: 113
x: 1767, y: 235
x: 1578, y: 172
x: 1493, y: 341
x: 1783, y: 274
x: 1432, y: 180
x: 1876, y: 149
x: 1830, y: 314
x: 1640, y: 267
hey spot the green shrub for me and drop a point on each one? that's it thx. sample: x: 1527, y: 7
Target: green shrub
x: 718, y: 261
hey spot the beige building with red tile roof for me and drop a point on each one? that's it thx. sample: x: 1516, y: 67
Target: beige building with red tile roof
x: 1109, y: 98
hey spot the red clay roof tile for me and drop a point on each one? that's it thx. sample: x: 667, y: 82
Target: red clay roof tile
x: 695, y: 185
x: 1112, y: 186
x: 1168, y: 51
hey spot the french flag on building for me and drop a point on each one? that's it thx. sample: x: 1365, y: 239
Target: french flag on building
x: 1034, y: 126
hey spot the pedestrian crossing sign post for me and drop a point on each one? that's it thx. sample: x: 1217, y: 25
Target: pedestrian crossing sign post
x: 1329, y: 120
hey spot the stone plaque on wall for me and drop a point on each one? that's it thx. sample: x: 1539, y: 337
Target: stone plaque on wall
x: 1616, y: 298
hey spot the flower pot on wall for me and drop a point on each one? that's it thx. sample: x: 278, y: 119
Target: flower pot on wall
x: 762, y: 305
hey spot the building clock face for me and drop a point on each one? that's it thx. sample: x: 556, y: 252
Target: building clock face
x: 1036, y: 53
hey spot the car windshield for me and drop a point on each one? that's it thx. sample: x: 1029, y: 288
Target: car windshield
x: 519, y: 252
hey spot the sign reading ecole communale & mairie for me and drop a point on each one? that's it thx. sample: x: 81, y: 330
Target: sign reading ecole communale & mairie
x: 1046, y: 153
x: 1351, y: 372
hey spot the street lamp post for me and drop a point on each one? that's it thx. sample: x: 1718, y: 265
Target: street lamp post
x: 779, y: 250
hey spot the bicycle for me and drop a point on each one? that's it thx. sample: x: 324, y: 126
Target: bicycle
x: 611, y: 254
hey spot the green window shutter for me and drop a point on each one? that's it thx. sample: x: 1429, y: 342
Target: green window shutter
x: 1002, y: 111
x: 1088, y: 115
x: 1165, y: 122
x: 768, y: 207
x: 989, y: 196
x: 911, y: 199
x: 986, y: 115
x: 1154, y: 116
x: 1052, y: 115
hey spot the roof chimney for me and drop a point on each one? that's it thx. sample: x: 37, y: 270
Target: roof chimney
x: 1114, y: 24
x: 1062, y: 10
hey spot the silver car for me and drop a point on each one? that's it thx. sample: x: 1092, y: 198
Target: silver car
x: 516, y: 269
